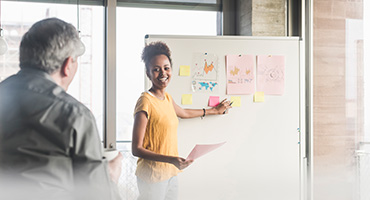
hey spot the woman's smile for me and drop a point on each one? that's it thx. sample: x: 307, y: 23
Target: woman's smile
x: 163, y: 79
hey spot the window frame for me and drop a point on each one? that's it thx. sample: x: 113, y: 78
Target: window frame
x: 179, y: 5
x: 81, y: 2
x: 109, y: 110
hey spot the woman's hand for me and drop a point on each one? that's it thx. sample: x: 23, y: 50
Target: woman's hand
x: 181, y: 163
x: 223, y: 107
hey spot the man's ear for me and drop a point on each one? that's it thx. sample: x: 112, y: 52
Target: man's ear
x: 66, y: 67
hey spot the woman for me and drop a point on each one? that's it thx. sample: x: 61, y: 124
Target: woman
x: 154, y: 138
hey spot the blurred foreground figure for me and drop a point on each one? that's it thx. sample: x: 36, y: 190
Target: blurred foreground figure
x: 49, y: 143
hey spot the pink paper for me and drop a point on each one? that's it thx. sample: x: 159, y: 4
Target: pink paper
x: 240, y: 74
x: 201, y: 149
x: 213, y: 101
x: 270, y: 74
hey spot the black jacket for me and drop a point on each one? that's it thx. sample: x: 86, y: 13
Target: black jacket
x: 49, y: 143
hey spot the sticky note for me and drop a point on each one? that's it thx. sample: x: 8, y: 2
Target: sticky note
x: 213, y: 101
x: 187, y: 99
x: 259, y: 97
x: 236, y: 101
x: 184, y: 70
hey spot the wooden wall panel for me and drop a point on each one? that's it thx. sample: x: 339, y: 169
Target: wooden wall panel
x: 334, y: 116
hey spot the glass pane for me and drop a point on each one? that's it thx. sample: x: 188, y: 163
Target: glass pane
x: 341, y: 90
x: 127, y: 185
x: 18, y: 17
x: 130, y: 43
x: 176, y: 1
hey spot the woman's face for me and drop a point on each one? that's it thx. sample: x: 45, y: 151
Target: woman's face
x: 160, y: 71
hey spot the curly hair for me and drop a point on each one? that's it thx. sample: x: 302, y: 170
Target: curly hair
x: 154, y: 49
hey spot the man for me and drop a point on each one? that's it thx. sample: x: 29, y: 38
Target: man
x: 49, y: 143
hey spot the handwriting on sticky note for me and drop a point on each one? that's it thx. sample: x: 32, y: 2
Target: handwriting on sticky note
x: 187, y: 99
x: 259, y: 97
x: 184, y: 70
x: 202, y: 149
x: 213, y: 101
x: 236, y: 101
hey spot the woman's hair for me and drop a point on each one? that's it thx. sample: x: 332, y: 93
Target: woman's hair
x: 47, y: 44
x: 154, y: 49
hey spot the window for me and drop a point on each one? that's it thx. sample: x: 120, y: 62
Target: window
x: 132, y: 26
x: 18, y: 17
x: 341, y: 136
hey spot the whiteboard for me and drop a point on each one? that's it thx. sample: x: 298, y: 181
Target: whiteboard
x: 261, y: 158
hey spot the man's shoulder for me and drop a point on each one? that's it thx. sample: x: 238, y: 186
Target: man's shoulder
x: 7, y: 82
x: 40, y: 90
x: 73, y: 103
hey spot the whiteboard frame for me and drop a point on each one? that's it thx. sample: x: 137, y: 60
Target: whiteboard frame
x: 302, y: 96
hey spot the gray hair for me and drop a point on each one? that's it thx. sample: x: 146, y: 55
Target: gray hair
x: 47, y: 44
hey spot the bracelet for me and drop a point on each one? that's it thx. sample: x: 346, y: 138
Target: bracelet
x: 204, y: 113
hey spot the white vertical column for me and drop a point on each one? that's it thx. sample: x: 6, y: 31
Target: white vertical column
x: 110, y: 74
x: 366, y: 26
x: 307, y: 35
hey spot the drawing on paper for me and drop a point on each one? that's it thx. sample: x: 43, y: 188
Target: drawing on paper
x: 270, y: 74
x: 240, y: 76
x: 205, y: 67
x: 208, y: 68
x: 204, y: 72
x: 235, y: 71
x: 204, y: 86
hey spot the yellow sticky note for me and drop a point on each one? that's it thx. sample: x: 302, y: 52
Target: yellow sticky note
x: 259, y: 97
x: 236, y: 101
x: 187, y: 99
x: 184, y: 70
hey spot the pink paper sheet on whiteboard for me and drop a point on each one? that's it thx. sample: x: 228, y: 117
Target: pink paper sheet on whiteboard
x: 201, y: 149
x: 240, y: 74
x: 270, y: 74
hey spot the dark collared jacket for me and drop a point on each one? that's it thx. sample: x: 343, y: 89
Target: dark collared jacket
x: 49, y: 143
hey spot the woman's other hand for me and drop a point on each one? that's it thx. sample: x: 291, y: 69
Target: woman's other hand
x: 181, y: 163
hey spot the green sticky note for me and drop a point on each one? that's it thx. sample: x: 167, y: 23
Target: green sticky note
x: 236, y: 101
x: 184, y: 70
x: 187, y: 99
x: 259, y: 97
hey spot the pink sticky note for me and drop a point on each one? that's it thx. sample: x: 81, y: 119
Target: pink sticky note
x: 201, y: 149
x: 213, y: 101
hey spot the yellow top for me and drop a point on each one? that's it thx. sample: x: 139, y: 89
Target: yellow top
x: 160, y: 137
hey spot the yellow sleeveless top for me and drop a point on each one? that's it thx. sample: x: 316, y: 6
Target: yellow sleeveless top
x: 160, y: 137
